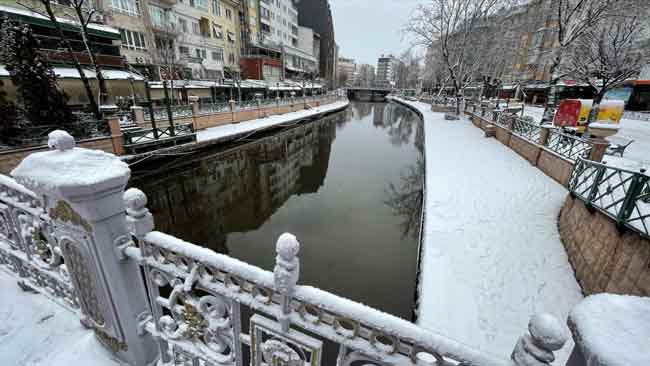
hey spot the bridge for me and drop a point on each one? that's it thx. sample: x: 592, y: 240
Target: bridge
x: 368, y: 94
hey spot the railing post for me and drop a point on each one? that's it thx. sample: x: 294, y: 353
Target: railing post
x: 546, y: 335
x: 286, y: 273
x: 195, y: 114
x: 117, y: 138
x: 83, y: 192
x: 138, y: 115
x: 634, y: 191
x: 544, y: 135
x: 598, y: 148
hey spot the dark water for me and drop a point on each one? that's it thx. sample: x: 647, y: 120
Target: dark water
x: 348, y: 186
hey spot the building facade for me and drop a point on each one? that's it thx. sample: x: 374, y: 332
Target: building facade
x: 346, y: 70
x: 317, y: 15
x: 385, y: 77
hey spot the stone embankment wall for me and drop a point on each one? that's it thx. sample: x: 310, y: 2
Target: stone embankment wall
x: 604, y: 259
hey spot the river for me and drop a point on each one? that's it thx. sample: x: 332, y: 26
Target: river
x: 349, y: 186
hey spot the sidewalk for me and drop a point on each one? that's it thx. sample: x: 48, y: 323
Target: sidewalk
x: 492, y: 254
x: 35, y: 331
x: 220, y: 133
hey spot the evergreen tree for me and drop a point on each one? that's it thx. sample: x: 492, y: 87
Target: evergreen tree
x: 38, y: 95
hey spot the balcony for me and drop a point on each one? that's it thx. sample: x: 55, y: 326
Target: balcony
x: 106, y: 54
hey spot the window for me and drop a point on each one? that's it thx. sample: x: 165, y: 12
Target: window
x: 231, y: 37
x: 217, y: 31
x: 229, y: 14
x: 185, y: 51
x: 129, y: 7
x: 201, y: 4
x: 195, y: 28
x: 231, y: 58
x: 217, y: 55
x: 200, y: 53
x: 132, y: 40
x: 182, y: 25
x: 216, y: 8
x: 159, y: 16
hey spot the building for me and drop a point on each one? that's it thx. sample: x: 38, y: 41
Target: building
x: 317, y: 15
x: 346, y: 71
x: 365, y: 76
x: 385, y: 77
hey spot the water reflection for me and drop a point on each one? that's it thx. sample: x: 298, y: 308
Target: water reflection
x: 349, y: 186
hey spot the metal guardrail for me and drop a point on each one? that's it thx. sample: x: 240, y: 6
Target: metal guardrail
x: 22, y: 137
x: 621, y: 194
x: 525, y: 129
x: 147, y: 135
x: 178, y: 111
x: 210, y: 108
x: 568, y: 146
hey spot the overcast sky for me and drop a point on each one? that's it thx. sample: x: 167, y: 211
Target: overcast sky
x: 365, y: 29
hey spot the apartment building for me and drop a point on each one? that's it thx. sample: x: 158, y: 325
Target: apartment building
x: 385, y: 77
x: 346, y: 71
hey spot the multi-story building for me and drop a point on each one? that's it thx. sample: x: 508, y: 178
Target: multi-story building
x: 365, y: 76
x: 385, y: 77
x: 346, y: 70
x: 317, y: 15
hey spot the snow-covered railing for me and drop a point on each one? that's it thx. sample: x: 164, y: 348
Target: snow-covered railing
x: 568, y: 146
x: 621, y: 194
x: 200, y: 299
x: 527, y: 130
x: 161, y: 114
x: 211, y: 108
x: 28, y: 246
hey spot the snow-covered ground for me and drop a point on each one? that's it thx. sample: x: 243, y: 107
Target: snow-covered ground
x: 35, y: 331
x: 220, y: 132
x: 492, y: 254
x: 535, y: 112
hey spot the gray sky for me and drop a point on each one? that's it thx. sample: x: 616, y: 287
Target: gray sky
x: 367, y: 28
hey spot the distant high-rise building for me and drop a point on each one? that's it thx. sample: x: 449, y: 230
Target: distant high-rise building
x: 385, y: 72
x: 365, y: 76
x: 346, y: 70
x: 317, y: 15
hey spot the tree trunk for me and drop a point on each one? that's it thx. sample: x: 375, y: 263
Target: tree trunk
x: 82, y: 75
x: 551, y: 101
x: 103, y: 94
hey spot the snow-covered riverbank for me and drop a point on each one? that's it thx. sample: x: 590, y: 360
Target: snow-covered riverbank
x: 492, y: 254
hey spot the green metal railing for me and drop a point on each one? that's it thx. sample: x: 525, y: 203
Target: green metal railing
x: 527, y: 130
x: 568, y: 146
x: 147, y: 135
x: 621, y: 194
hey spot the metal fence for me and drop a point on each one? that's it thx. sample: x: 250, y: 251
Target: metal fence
x: 525, y: 129
x: 29, y: 246
x: 150, y: 135
x: 568, y: 146
x: 37, y: 135
x: 623, y: 195
x: 178, y: 111
x: 210, y: 108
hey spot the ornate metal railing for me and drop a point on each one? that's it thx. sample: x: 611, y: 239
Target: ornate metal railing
x: 568, y: 146
x: 210, y: 108
x: 623, y: 195
x: 178, y: 111
x: 197, y: 298
x: 29, y: 247
x: 527, y: 130
x: 148, y: 135
x: 126, y: 118
x: 246, y: 105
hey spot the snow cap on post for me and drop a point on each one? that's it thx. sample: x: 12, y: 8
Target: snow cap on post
x: 547, y: 334
x: 138, y: 218
x: 60, y: 140
x: 287, y: 264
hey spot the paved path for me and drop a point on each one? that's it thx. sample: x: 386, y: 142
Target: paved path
x: 492, y: 252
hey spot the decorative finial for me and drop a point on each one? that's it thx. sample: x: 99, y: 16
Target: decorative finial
x: 60, y: 140
x: 136, y: 202
x: 547, y: 335
x: 286, y: 273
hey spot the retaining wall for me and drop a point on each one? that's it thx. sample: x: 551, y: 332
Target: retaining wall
x: 604, y: 260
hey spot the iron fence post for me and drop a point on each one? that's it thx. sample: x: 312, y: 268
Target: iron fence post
x: 596, y: 184
x: 636, y: 186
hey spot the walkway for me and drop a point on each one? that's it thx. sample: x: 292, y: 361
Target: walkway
x: 492, y: 252
x: 237, y: 129
x: 35, y: 331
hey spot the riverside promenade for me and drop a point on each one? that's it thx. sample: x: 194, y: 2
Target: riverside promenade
x: 492, y: 254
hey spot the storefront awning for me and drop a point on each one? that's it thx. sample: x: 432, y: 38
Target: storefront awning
x: 72, y: 73
x: 30, y: 17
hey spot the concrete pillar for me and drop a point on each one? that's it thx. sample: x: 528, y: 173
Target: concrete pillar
x: 598, y: 149
x: 138, y: 115
x: 83, y: 194
x: 543, y: 136
x: 117, y: 136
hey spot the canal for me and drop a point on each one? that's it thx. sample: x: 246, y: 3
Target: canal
x: 349, y: 186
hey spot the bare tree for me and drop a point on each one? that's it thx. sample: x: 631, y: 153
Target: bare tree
x: 451, y: 26
x: 608, y: 54
x: 574, y: 19
x: 81, y: 8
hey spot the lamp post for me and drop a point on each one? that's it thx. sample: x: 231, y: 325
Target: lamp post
x: 151, y: 114
x: 131, y: 79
